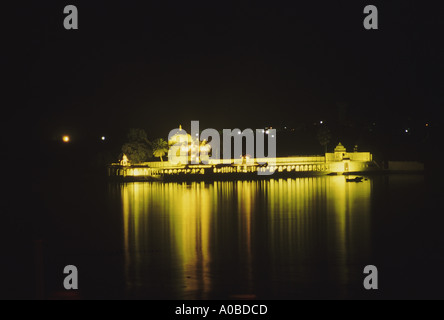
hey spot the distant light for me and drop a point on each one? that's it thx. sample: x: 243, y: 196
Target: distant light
x: 406, y: 131
x: 321, y: 122
x: 103, y: 138
x: 66, y: 139
x: 272, y: 136
x: 239, y: 132
x: 427, y: 124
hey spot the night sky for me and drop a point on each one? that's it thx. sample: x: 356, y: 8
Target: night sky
x: 246, y: 65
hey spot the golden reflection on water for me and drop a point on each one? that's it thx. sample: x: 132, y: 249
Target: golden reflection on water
x: 230, y: 239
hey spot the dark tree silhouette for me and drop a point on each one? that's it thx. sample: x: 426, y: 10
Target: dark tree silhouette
x: 138, y: 148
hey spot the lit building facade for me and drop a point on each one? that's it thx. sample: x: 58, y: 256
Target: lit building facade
x: 338, y: 162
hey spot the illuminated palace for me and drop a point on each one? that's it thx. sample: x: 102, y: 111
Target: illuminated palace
x: 338, y: 162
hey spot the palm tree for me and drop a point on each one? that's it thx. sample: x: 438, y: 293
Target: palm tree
x: 160, y: 148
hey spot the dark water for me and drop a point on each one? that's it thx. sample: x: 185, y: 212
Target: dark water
x: 280, y: 239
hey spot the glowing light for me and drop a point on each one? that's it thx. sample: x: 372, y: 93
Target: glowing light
x: 427, y: 124
x: 205, y: 148
x: 66, y: 139
x: 321, y: 122
x: 103, y: 138
x: 124, y: 161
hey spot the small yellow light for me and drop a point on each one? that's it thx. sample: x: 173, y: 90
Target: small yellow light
x: 66, y: 139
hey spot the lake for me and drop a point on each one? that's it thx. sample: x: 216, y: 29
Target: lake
x: 303, y: 238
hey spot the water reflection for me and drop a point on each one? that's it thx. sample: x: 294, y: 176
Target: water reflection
x: 264, y: 239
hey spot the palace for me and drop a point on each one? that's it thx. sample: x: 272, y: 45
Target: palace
x: 338, y: 162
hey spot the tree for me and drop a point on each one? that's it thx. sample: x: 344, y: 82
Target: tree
x: 160, y: 148
x: 138, y: 148
x: 324, y: 136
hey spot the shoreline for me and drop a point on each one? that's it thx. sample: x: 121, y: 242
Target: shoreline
x: 253, y: 176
